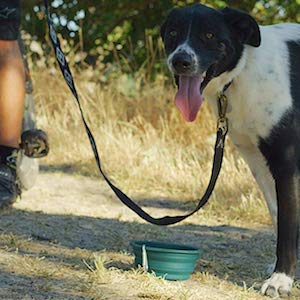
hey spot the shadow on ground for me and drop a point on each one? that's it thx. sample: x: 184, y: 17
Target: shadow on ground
x: 225, y: 247
x: 64, y: 168
x: 14, y: 286
x: 237, y: 254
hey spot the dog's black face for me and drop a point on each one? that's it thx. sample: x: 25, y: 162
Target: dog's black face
x: 204, y: 42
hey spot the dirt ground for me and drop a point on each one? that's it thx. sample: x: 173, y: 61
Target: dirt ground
x: 54, y: 239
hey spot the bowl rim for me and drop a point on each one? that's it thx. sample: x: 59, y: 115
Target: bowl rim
x: 191, y: 249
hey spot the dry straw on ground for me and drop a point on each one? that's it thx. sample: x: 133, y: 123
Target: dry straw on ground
x: 68, y: 237
x: 145, y: 146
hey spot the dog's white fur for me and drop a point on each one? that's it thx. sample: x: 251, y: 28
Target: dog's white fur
x: 279, y: 282
x: 259, y: 96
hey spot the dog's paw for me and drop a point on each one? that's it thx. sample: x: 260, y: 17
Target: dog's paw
x: 278, y: 285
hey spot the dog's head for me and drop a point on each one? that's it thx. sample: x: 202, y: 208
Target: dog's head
x: 201, y: 43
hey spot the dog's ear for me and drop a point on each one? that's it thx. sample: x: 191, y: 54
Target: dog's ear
x: 244, y: 25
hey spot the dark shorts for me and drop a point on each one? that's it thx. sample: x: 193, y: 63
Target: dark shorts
x: 10, y: 15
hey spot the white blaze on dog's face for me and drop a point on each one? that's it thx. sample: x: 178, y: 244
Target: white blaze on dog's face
x: 202, y: 43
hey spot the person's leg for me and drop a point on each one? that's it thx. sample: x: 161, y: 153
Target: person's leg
x: 12, y: 94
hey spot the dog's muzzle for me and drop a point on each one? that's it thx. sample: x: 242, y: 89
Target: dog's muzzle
x: 183, y: 63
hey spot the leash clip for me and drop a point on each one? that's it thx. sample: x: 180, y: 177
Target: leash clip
x: 222, y: 123
x: 222, y: 105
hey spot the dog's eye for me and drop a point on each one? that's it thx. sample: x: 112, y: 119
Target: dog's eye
x: 209, y: 35
x: 221, y: 46
x: 173, y: 33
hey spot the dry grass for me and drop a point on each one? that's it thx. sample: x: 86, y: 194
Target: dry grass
x: 96, y: 279
x: 102, y: 275
x: 150, y: 152
x: 68, y: 237
x: 145, y: 146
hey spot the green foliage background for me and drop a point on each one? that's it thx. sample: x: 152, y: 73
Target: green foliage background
x: 127, y: 31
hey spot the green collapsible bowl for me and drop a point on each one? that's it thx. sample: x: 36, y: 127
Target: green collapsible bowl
x: 170, y: 261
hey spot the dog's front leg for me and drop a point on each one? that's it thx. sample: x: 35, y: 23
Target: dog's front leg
x: 287, y: 190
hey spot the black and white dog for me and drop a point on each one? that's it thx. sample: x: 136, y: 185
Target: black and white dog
x: 207, y: 50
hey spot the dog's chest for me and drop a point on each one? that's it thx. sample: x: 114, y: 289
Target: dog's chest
x: 257, y: 101
x: 253, y: 115
x: 256, y: 109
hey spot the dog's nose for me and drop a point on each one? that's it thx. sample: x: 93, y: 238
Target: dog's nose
x: 182, y: 63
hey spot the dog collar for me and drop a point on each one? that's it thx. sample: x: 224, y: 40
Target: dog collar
x: 227, y: 86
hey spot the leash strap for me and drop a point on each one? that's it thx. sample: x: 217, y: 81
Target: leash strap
x: 219, y: 146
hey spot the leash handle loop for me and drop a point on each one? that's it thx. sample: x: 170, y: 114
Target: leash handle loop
x: 167, y: 220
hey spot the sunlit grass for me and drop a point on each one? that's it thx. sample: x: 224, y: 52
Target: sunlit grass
x: 145, y: 146
x: 151, y: 153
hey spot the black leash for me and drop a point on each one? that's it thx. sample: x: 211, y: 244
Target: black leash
x: 219, y: 146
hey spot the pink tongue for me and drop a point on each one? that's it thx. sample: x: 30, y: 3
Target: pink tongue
x: 188, y: 98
